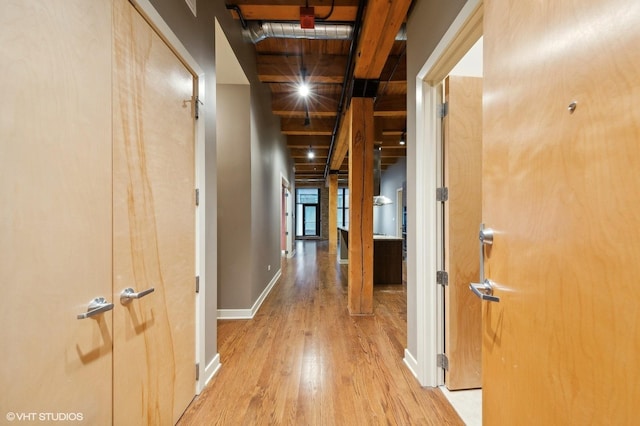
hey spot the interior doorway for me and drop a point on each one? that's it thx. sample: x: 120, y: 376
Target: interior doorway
x: 463, y: 33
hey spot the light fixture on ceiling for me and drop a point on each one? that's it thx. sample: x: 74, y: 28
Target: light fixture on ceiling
x: 403, y: 138
x: 310, y: 154
x: 303, y: 87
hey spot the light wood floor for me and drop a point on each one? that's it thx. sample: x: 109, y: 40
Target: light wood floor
x: 303, y: 360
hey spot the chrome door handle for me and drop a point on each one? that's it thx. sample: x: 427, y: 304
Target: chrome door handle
x: 484, y: 291
x: 486, y: 235
x: 128, y: 294
x: 96, y: 306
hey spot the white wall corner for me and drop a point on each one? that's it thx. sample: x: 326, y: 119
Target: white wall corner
x: 209, y: 371
x: 236, y: 314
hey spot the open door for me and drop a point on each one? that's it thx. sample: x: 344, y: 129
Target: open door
x: 462, y: 155
x: 561, y: 190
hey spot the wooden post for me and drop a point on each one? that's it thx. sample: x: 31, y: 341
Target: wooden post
x: 333, y: 213
x: 360, y: 292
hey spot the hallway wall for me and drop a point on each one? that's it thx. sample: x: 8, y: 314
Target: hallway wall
x: 269, y: 155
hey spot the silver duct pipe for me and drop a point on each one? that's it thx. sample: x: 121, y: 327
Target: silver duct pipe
x: 258, y: 31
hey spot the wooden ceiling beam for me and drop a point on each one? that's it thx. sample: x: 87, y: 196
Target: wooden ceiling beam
x: 342, y: 141
x: 326, y: 69
x: 382, y: 20
x: 291, y: 105
x: 318, y: 126
x: 289, y: 10
x: 301, y: 141
x: 391, y: 106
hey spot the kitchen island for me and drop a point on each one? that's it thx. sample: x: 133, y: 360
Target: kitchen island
x: 387, y: 257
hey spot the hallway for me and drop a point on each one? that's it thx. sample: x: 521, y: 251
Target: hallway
x: 303, y: 360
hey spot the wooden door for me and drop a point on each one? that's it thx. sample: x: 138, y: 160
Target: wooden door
x: 55, y: 210
x: 154, y: 225
x: 462, y: 128
x: 561, y: 189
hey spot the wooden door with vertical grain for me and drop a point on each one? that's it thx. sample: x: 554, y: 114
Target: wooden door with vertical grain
x: 55, y: 210
x: 462, y: 128
x: 561, y: 189
x: 154, y: 225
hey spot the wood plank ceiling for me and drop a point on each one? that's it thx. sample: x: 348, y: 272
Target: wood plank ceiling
x: 310, y: 123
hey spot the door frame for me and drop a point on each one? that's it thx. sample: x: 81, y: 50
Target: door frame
x: 154, y: 19
x: 461, y: 35
x: 304, y: 215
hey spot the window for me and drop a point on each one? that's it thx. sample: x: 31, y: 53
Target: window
x: 343, y: 207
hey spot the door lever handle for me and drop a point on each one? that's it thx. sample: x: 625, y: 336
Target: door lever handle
x: 484, y: 290
x: 96, y: 306
x: 486, y: 235
x: 128, y: 294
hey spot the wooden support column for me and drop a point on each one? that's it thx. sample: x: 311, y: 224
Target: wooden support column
x: 333, y: 213
x: 360, y: 297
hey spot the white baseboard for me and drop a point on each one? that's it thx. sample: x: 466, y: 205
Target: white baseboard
x: 411, y: 362
x: 209, y: 371
x: 290, y: 255
x: 236, y: 314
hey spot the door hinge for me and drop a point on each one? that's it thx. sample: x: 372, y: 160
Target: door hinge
x: 442, y: 361
x: 444, y: 109
x: 442, y: 194
x: 197, y: 283
x: 442, y: 278
x: 197, y: 371
x: 196, y: 109
x: 197, y: 197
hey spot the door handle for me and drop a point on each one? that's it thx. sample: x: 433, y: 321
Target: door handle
x: 484, y: 290
x: 486, y: 237
x: 128, y: 294
x: 96, y: 306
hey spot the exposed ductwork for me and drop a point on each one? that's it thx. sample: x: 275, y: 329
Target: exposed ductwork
x: 258, y: 31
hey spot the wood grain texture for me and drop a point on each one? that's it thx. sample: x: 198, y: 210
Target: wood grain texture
x: 462, y: 216
x: 154, y: 225
x: 562, y: 192
x: 55, y: 207
x: 360, y: 301
x: 303, y: 360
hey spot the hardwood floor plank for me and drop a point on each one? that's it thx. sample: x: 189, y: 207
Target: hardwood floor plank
x: 303, y: 360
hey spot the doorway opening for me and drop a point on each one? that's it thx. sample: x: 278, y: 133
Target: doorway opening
x: 308, y: 213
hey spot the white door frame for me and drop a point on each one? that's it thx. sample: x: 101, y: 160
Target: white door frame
x: 155, y: 20
x: 465, y: 30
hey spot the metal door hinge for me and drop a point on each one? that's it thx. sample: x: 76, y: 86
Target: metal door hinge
x: 197, y: 197
x: 442, y: 278
x: 197, y: 283
x: 442, y: 194
x: 442, y: 361
x: 197, y: 371
x: 444, y: 109
x: 196, y: 108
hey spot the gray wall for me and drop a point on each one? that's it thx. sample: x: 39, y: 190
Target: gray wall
x: 427, y: 23
x: 384, y: 217
x: 269, y: 155
x: 234, y: 194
